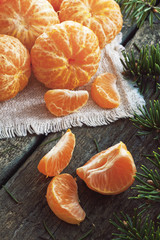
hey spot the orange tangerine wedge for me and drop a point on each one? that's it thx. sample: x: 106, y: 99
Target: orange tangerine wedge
x: 59, y: 156
x: 104, y: 91
x: 61, y: 102
x: 62, y: 198
x: 109, y: 172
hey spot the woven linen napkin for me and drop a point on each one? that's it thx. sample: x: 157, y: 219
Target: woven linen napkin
x: 27, y: 111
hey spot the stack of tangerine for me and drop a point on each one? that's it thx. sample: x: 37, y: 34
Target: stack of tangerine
x: 64, y: 55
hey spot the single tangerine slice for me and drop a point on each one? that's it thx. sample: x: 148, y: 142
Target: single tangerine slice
x: 59, y: 156
x: 61, y: 102
x: 104, y: 91
x: 102, y: 16
x: 15, y: 67
x: 62, y: 198
x: 65, y: 57
x: 109, y: 172
x: 26, y: 19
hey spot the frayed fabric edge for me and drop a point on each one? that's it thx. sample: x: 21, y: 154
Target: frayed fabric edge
x: 92, y: 120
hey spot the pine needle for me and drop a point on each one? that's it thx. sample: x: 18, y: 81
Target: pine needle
x: 149, y: 120
x: 51, y: 140
x: 47, y: 229
x: 139, y: 10
x: 97, y: 145
x: 10, y: 194
x: 149, y: 181
x: 132, y: 228
x: 144, y: 69
x: 86, y: 234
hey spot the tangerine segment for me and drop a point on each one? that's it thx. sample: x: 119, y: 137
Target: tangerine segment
x: 56, y: 4
x: 104, y: 91
x: 110, y: 171
x: 59, y: 156
x: 62, y: 198
x: 26, y: 19
x: 61, y: 102
x: 15, y: 67
x: 66, y: 57
x: 102, y: 16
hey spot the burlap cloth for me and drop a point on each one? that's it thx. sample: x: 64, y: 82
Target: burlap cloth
x: 27, y: 111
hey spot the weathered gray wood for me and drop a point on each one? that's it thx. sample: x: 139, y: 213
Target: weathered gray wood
x: 25, y: 220
x: 146, y: 35
x: 128, y: 31
x: 13, y: 153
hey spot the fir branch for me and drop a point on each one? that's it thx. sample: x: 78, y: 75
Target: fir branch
x: 145, y: 69
x: 134, y: 228
x: 149, y: 121
x: 139, y: 10
x: 149, y: 187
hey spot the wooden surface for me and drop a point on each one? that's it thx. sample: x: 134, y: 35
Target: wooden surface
x: 19, y: 158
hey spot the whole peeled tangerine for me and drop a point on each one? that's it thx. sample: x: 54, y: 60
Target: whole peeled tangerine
x: 66, y: 57
x: 56, y: 4
x: 102, y: 16
x: 26, y: 19
x: 15, y: 67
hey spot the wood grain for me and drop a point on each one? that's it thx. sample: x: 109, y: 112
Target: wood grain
x: 13, y: 152
x: 25, y: 220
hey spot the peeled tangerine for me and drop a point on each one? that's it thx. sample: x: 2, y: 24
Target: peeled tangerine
x: 56, y: 4
x: 26, y: 19
x: 65, y: 57
x: 62, y: 198
x: 102, y: 16
x: 61, y: 102
x: 15, y: 67
x: 109, y: 172
x: 59, y: 156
